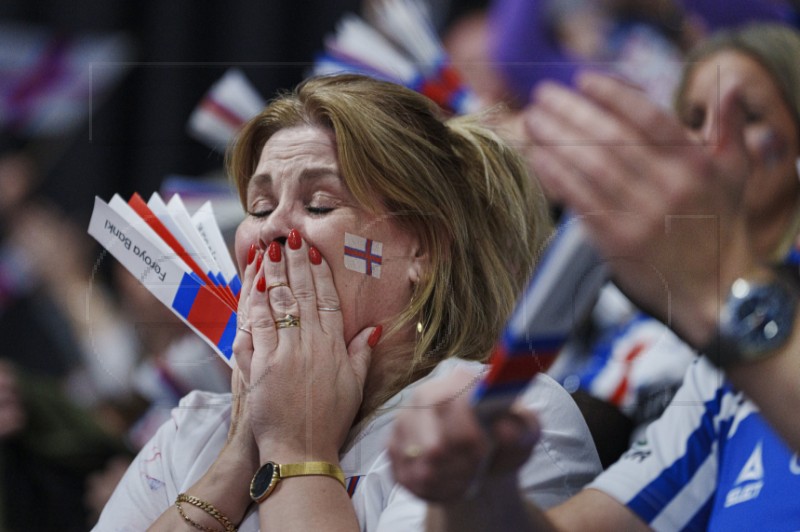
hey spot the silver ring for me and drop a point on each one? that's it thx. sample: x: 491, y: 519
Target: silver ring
x: 248, y: 331
x: 287, y: 321
x: 329, y: 309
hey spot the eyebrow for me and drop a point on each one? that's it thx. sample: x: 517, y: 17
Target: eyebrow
x: 307, y: 174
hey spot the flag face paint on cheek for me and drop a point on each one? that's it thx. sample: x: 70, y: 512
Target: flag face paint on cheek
x: 363, y: 255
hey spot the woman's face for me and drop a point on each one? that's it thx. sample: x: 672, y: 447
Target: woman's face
x: 770, y: 131
x: 297, y: 185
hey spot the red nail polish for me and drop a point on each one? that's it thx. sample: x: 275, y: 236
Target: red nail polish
x: 314, y: 256
x: 294, y: 239
x: 259, y: 260
x: 375, y: 336
x: 261, y: 285
x: 274, y: 251
x: 251, y: 254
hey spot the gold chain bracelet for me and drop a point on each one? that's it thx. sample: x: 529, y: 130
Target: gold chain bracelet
x: 207, y: 508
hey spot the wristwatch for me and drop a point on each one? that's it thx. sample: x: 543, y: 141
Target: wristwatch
x: 757, y: 319
x: 268, y: 475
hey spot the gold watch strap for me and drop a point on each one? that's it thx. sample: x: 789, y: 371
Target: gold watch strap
x: 311, y: 468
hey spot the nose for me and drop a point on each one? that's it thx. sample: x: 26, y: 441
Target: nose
x: 276, y: 226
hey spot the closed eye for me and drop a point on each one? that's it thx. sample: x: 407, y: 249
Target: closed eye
x: 319, y: 211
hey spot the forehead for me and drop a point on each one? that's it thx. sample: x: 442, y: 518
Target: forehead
x: 298, y: 146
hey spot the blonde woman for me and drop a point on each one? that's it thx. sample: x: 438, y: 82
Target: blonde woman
x: 382, y: 245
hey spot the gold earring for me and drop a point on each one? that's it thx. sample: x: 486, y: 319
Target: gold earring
x: 420, y: 326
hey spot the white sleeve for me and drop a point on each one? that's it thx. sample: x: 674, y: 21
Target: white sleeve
x: 179, y: 453
x: 565, y: 459
x: 404, y: 511
x: 147, y: 488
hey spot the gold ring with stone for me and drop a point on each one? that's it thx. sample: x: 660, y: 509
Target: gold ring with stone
x: 287, y: 321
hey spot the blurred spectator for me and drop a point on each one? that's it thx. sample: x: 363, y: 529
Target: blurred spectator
x: 614, y: 365
x: 466, y: 41
x: 534, y: 40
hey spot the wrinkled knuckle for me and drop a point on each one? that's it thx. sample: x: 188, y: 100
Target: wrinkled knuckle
x: 283, y: 301
x: 262, y: 323
x: 303, y: 294
x: 327, y: 300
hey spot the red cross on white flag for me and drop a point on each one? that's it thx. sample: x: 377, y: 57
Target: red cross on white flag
x: 363, y: 255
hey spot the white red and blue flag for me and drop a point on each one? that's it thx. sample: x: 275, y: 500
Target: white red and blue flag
x: 561, y: 292
x: 134, y: 235
x: 363, y: 255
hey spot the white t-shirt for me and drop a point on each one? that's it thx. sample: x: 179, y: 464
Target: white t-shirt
x: 184, y: 448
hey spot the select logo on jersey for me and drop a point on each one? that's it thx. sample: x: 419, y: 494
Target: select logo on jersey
x: 750, y: 480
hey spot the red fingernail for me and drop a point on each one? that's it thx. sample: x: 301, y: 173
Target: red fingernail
x: 375, y: 336
x: 259, y: 260
x: 251, y: 254
x: 261, y: 285
x: 274, y: 251
x: 294, y: 239
x: 314, y: 256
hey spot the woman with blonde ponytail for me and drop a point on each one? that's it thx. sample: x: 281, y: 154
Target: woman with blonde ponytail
x: 383, y: 246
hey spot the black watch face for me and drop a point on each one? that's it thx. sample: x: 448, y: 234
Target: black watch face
x: 763, y: 320
x: 262, y: 480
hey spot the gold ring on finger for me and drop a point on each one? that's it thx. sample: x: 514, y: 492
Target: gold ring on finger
x: 412, y: 451
x: 287, y: 321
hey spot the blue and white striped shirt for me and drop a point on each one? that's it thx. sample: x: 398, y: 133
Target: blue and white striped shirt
x: 709, y: 463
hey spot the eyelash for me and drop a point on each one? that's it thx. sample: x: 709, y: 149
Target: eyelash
x: 315, y: 211
x: 259, y: 214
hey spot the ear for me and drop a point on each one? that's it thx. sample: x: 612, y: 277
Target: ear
x: 419, y: 264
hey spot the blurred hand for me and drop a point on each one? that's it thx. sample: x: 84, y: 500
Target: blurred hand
x: 664, y: 208
x: 438, y: 449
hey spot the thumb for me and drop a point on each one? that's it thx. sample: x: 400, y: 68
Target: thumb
x: 360, y: 350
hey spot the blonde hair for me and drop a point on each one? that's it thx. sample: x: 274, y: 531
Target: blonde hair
x: 458, y: 187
